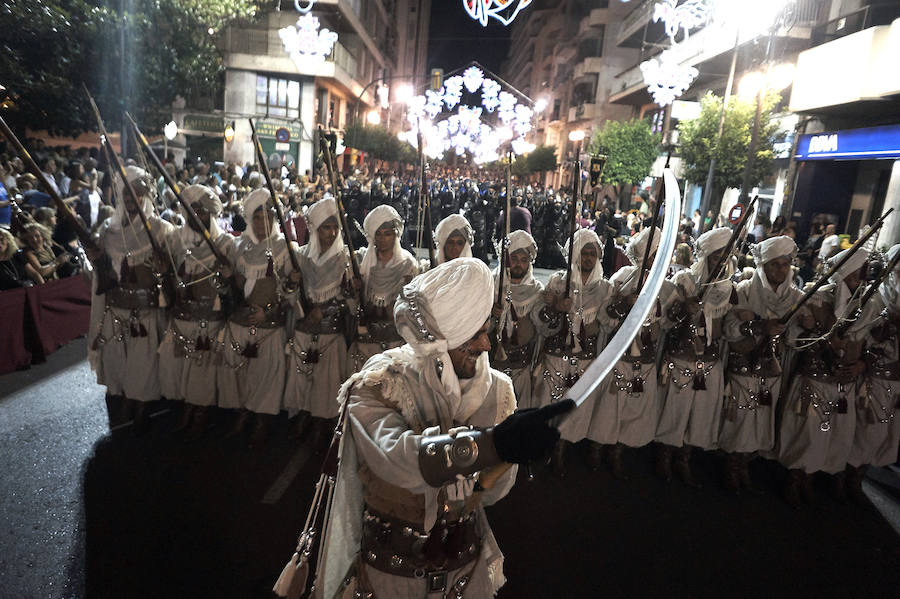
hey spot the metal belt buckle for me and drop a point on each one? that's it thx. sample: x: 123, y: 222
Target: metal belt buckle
x: 436, y: 582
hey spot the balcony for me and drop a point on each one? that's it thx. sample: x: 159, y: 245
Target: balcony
x: 582, y: 112
x: 631, y: 33
x: 597, y: 18
x: 591, y: 64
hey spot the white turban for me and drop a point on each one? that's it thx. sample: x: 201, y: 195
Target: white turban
x: 890, y: 287
x: 637, y: 245
x: 709, y: 243
x: 717, y: 299
x: 388, y: 279
x: 842, y: 292
x: 447, y: 227
x: 138, y: 178
x: 317, y: 214
x: 773, y: 247
x: 441, y: 310
x: 379, y: 216
x: 206, y: 196
x: 257, y: 199
x: 521, y: 240
x: 777, y: 300
x: 209, y: 200
x: 582, y: 238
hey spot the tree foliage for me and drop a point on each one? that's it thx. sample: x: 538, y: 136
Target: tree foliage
x: 698, y: 142
x: 52, y: 46
x: 630, y: 147
x: 542, y: 159
x: 378, y: 142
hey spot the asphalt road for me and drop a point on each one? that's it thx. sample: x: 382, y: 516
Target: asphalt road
x: 86, y: 513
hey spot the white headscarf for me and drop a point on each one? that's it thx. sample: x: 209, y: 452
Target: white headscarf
x: 525, y: 293
x: 842, y: 293
x: 890, y: 287
x: 637, y: 245
x: 717, y: 299
x: 441, y: 310
x: 193, y: 240
x: 776, y: 300
x: 446, y: 228
x: 383, y: 284
x: 256, y: 199
x: 582, y: 305
x: 317, y: 214
x: 127, y: 238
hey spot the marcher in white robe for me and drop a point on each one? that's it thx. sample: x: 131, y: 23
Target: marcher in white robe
x: 385, y: 268
x: 405, y: 521
x: 818, y: 424
x: 127, y: 322
x: 317, y: 351
x: 756, y: 358
x: 513, y: 333
x: 877, y: 433
x: 454, y: 237
x: 629, y: 406
x: 694, y: 366
x: 573, y: 328
x: 251, y: 344
x: 187, y: 364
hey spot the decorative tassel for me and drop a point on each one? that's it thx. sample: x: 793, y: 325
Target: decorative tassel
x: 250, y: 351
x: 842, y: 405
x: 311, y: 357
x: 125, y: 274
x: 142, y: 330
x: 699, y: 382
x: 637, y: 385
x: 270, y: 268
x: 292, y: 581
x: 571, y: 379
x: 135, y: 332
x: 162, y: 301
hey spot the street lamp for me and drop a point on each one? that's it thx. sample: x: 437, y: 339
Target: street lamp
x: 169, y: 133
x: 540, y: 105
x: 404, y: 93
x: 373, y: 117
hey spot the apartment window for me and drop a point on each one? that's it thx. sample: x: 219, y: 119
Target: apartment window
x: 277, y: 97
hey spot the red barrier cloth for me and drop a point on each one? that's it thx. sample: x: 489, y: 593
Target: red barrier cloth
x: 13, y: 351
x: 61, y: 311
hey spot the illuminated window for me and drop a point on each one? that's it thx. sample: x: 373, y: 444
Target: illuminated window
x: 277, y: 97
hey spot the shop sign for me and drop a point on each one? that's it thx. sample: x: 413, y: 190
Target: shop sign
x: 851, y: 144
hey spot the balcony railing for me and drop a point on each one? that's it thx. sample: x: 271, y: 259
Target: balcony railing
x: 635, y: 19
x: 868, y: 16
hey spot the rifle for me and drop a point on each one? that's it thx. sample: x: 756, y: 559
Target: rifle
x: 716, y: 272
x: 572, y: 219
x: 192, y: 216
x: 425, y: 203
x: 841, y: 326
x: 503, y: 262
x: 659, y: 195
x: 279, y: 213
x: 837, y: 265
x: 345, y: 231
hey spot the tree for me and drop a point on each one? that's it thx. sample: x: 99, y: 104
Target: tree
x: 378, y: 142
x: 51, y: 47
x: 630, y: 147
x: 698, y: 144
x: 542, y: 159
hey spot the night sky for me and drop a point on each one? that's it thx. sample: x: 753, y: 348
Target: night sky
x: 455, y: 39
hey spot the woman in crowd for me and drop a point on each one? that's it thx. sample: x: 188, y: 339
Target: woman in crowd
x: 41, y: 263
x: 12, y: 263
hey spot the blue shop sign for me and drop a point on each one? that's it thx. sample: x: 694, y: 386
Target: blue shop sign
x: 850, y: 144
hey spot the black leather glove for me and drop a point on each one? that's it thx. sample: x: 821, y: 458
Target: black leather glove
x: 526, y: 435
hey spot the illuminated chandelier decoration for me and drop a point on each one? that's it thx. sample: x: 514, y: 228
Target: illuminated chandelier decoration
x: 306, y: 44
x: 665, y: 76
x: 466, y: 129
x: 504, y: 11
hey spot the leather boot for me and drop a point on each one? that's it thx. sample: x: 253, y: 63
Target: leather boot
x: 838, y: 487
x: 683, y: 466
x: 664, y: 462
x: 198, y: 424
x: 299, y: 425
x: 260, y: 431
x: 746, y: 481
x: 854, y: 479
x: 733, y: 472
x: 187, y: 412
x: 792, y: 488
x: 141, y: 418
x: 615, y: 461
x: 595, y: 456
x: 241, y: 420
x: 558, y: 459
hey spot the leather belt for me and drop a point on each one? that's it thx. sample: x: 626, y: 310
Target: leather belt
x: 273, y: 320
x: 194, y: 310
x: 132, y: 299
x: 400, y: 548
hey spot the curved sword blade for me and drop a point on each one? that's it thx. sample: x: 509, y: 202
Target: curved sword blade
x: 603, y: 363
